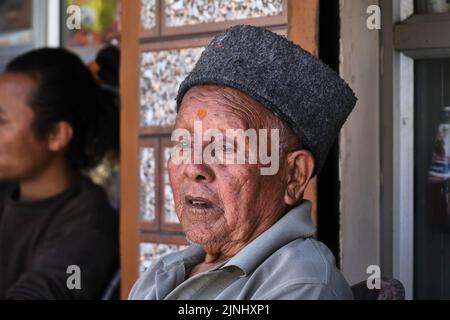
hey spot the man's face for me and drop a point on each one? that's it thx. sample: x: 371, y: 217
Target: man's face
x: 223, y: 205
x: 21, y: 154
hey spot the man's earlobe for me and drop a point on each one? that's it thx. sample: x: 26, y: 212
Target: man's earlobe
x: 300, y: 171
x: 60, y: 136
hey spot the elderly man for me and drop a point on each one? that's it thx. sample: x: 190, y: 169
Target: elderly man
x: 251, y: 233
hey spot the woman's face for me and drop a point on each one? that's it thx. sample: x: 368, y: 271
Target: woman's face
x: 22, y: 155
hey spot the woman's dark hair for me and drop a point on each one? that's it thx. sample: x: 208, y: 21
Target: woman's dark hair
x: 67, y: 91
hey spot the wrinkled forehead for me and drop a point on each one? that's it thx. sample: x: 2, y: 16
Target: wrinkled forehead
x: 225, y: 104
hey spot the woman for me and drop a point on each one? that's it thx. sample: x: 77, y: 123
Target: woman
x: 58, y: 232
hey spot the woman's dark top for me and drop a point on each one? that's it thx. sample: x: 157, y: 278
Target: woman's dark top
x: 40, y: 240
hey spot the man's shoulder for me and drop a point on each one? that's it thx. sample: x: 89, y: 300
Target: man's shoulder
x: 85, y: 208
x: 91, y: 201
x: 303, y: 260
x: 304, y: 264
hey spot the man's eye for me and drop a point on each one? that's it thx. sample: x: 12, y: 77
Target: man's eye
x: 183, y: 144
x: 228, y: 148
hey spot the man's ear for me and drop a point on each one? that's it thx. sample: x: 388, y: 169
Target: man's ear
x: 300, y: 168
x: 60, y: 136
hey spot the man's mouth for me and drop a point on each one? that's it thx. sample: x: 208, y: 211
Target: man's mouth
x: 198, y: 203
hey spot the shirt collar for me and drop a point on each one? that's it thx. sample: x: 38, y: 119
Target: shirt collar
x: 297, y: 223
x: 191, y: 256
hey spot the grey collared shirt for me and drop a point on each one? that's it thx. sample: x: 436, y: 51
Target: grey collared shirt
x: 284, y: 262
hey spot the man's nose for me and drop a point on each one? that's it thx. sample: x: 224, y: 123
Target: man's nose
x: 199, y: 172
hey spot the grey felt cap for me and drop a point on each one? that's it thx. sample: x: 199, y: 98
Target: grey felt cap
x: 298, y: 88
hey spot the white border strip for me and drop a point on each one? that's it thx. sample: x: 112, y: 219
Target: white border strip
x: 53, y: 23
x: 403, y: 224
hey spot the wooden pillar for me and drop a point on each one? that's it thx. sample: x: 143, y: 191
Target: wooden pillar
x: 129, y: 135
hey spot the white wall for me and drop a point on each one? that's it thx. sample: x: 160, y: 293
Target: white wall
x: 359, y: 144
x: 46, y: 23
x: 53, y: 23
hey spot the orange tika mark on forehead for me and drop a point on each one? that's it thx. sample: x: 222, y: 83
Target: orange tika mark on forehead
x: 201, y: 113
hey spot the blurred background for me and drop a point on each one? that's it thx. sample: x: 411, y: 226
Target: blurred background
x: 383, y: 197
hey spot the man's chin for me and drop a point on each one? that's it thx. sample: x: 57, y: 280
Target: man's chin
x: 203, y: 240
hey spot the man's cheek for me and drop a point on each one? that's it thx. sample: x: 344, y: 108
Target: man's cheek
x: 172, y: 174
x: 178, y: 203
x: 175, y: 183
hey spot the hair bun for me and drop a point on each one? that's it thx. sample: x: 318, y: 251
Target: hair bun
x: 108, y: 60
